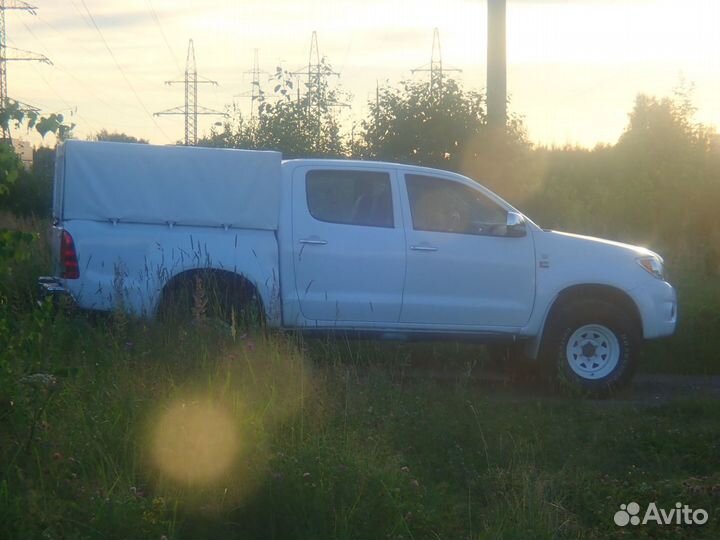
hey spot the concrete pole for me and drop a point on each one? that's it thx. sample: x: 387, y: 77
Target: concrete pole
x: 496, y: 66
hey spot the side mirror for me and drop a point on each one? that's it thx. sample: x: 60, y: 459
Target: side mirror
x: 515, y: 225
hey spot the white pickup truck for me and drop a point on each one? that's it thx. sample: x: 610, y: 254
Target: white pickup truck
x: 382, y: 250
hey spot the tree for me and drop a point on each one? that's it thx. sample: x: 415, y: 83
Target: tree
x: 411, y: 124
x: 669, y: 171
x: 10, y: 168
x: 236, y: 132
x: 446, y: 129
x: 302, y: 126
x: 20, y: 190
x: 13, y: 115
x: 305, y: 125
x: 104, y: 135
x: 658, y: 186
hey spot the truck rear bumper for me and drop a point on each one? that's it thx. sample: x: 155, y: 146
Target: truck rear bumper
x: 52, y: 287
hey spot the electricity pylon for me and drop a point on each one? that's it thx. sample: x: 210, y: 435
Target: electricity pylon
x: 435, y: 67
x: 5, y: 58
x: 255, y: 89
x: 191, y: 110
x: 316, y: 72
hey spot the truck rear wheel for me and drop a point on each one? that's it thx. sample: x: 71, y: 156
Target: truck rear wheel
x: 592, y: 346
x: 215, y: 295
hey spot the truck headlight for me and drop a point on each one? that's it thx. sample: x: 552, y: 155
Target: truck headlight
x: 652, y: 264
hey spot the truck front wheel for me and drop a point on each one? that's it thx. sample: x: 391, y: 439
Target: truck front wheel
x: 592, y: 346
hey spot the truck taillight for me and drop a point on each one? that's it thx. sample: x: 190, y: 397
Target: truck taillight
x: 68, y: 257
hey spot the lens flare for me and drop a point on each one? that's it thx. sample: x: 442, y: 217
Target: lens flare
x: 195, y: 442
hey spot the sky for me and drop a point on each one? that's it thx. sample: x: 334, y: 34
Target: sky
x: 574, y: 66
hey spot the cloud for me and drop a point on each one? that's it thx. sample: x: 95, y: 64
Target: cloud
x: 613, y: 3
x: 115, y: 20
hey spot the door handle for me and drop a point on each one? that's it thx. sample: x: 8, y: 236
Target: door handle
x: 313, y: 241
x: 423, y: 247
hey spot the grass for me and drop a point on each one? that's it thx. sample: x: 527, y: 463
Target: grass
x: 185, y: 431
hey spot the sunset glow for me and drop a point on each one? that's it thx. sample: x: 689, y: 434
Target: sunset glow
x: 574, y: 67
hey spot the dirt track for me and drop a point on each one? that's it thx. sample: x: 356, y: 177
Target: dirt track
x: 659, y: 388
x: 644, y: 389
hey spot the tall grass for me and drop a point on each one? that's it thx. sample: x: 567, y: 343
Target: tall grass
x: 112, y: 427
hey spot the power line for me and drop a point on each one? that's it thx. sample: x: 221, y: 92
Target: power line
x: 83, y: 82
x: 82, y: 15
x: 127, y: 81
x: 47, y: 83
x: 162, y: 33
x: 94, y: 121
x: 72, y: 108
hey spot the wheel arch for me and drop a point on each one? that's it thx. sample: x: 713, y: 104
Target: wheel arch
x: 239, y: 280
x: 585, y: 291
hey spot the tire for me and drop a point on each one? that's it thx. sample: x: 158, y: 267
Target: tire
x: 591, y: 347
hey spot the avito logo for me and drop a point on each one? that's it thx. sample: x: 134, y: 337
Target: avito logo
x: 682, y: 514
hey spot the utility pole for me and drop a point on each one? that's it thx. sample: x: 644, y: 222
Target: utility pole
x: 255, y: 90
x: 191, y: 110
x: 435, y: 67
x: 496, y: 66
x: 5, y: 58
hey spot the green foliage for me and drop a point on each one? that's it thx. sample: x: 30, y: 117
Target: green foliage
x: 658, y: 186
x: 445, y: 128
x: 305, y: 126
x: 21, y: 191
x: 14, y: 115
x: 26, y: 192
x: 237, y: 132
x: 23, y: 256
x: 298, y: 127
x: 105, y: 135
x: 10, y: 167
x: 54, y: 123
x: 414, y: 125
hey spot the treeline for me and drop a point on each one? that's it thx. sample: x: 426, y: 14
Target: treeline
x: 659, y: 185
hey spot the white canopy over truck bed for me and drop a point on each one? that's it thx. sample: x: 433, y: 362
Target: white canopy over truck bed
x: 138, y: 183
